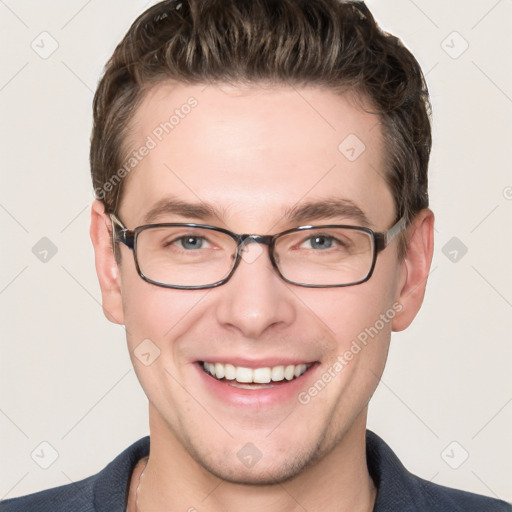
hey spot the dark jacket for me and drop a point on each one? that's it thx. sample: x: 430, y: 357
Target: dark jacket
x: 398, y: 490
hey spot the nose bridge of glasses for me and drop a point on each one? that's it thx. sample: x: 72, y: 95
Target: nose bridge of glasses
x: 245, y: 240
x: 255, y: 239
x: 250, y: 256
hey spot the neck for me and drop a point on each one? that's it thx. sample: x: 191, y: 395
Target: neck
x: 173, y: 480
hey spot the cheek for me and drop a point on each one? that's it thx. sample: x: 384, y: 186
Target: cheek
x: 156, y: 313
x: 358, y: 321
x: 347, y: 312
x: 156, y: 321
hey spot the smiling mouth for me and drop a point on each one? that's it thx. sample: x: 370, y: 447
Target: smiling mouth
x: 251, y: 378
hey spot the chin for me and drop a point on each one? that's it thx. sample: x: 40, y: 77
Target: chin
x: 259, y: 474
x: 250, y: 466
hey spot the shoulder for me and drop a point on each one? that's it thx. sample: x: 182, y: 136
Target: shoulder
x: 445, y: 499
x: 400, y: 490
x: 77, y: 496
x: 106, y: 491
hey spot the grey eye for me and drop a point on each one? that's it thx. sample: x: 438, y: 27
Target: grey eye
x: 191, y: 242
x: 321, y: 242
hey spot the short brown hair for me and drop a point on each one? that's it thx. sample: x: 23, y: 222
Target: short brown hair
x: 326, y: 43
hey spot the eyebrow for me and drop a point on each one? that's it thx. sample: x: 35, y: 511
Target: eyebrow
x: 169, y: 206
x: 328, y: 208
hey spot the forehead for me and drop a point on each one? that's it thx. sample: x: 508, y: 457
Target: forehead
x: 252, y: 152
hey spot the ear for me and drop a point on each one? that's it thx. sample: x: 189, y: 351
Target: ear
x: 106, y: 265
x: 416, y: 266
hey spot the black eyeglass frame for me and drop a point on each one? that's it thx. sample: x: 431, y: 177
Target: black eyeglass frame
x: 128, y: 237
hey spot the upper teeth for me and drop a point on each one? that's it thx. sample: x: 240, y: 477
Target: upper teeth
x: 257, y: 375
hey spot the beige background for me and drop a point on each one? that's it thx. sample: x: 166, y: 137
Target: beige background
x: 66, y: 378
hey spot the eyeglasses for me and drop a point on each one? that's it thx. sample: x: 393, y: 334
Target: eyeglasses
x: 197, y: 256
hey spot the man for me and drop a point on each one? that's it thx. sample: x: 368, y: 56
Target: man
x: 261, y: 174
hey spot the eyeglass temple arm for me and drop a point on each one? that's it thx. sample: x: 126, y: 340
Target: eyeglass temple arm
x: 120, y: 233
x: 383, y: 239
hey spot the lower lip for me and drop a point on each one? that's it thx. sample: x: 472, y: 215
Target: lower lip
x: 267, y: 397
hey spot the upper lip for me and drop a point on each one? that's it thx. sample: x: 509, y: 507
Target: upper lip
x: 256, y: 363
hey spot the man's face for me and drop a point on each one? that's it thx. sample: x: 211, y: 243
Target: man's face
x: 253, y: 156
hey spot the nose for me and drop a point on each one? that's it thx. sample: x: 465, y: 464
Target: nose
x: 255, y: 299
